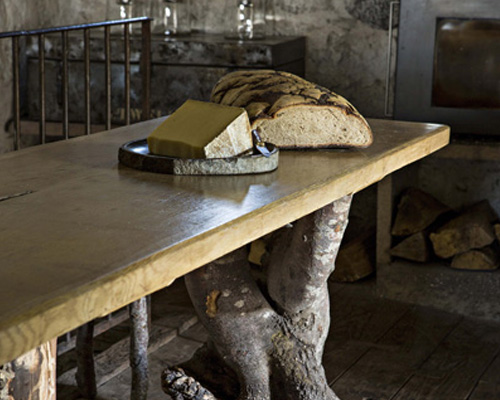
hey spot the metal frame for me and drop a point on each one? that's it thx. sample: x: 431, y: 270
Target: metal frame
x: 415, y: 61
x: 85, y: 28
x: 388, y: 70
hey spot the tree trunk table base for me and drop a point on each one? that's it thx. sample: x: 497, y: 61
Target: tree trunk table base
x: 266, y: 338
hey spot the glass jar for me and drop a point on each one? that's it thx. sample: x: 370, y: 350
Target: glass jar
x: 171, y: 17
x: 201, y: 14
x: 247, y: 19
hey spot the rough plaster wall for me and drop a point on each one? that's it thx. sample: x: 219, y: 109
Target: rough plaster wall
x: 472, y: 181
x: 67, y: 12
x: 346, y: 42
x: 344, y: 53
x: 346, y: 39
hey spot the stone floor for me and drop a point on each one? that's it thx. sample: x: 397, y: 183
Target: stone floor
x: 377, y: 349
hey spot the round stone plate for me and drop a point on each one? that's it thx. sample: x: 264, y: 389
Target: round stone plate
x: 136, y: 155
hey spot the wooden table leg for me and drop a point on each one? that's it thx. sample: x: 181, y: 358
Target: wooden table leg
x: 268, y: 337
x: 31, y: 376
x: 139, y: 338
x: 85, y: 367
x: 384, y: 221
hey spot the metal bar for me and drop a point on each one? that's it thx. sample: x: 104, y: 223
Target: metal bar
x: 107, y: 51
x: 139, y: 339
x: 389, y: 60
x: 16, y: 94
x: 384, y: 221
x: 65, y: 85
x: 73, y: 27
x: 41, y: 69
x: 146, y: 70
x: 126, y: 40
x: 85, y: 373
x: 86, y: 34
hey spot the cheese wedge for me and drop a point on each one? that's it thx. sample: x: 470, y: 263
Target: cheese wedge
x: 200, y: 129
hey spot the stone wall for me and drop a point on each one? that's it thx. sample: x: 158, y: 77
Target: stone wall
x: 346, y: 40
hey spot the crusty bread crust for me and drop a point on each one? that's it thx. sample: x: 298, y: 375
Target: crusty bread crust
x: 292, y: 112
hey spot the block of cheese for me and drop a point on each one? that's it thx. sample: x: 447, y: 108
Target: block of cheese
x: 200, y: 129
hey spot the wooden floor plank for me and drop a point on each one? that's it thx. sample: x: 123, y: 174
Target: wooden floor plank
x: 488, y: 386
x: 384, y: 369
x: 453, y: 370
x: 197, y: 333
x: 486, y: 391
x: 358, y: 321
x: 492, y: 373
x: 359, y: 316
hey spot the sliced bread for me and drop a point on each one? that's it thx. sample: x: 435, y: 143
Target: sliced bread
x: 291, y: 112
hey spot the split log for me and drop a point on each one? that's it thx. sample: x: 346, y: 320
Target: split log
x: 273, y: 339
x: 417, y: 210
x: 497, y: 231
x: 484, y: 259
x: 470, y: 230
x: 31, y: 376
x: 414, y: 248
x: 355, y: 259
x: 180, y: 386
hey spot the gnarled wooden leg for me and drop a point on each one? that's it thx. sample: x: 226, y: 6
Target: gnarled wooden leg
x: 302, y: 259
x: 273, y: 338
x: 239, y: 319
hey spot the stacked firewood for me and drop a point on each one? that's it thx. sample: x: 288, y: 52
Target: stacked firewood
x: 425, y: 228
x: 356, y: 257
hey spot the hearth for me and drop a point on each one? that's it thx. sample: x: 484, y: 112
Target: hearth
x: 447, y: 65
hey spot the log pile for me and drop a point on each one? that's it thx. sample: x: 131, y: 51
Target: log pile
x: 424, y: 228
x: 356, y: 257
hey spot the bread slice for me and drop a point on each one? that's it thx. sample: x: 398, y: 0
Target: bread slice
x: 291, y: 112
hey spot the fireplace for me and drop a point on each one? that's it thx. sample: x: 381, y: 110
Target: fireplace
x: 448, y: 65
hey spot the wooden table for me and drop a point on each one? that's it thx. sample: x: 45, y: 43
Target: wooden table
x: 82, y: 236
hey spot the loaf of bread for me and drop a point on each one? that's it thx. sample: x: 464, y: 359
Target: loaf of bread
x: 291, y: 112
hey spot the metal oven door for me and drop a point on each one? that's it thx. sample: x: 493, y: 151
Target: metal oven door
x: 448, y: 64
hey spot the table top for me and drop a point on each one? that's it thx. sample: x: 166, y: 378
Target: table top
x: 82, y: 236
